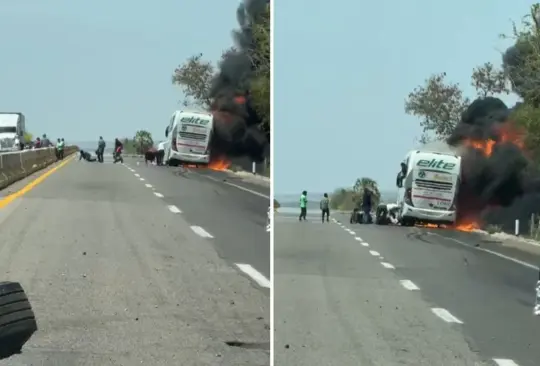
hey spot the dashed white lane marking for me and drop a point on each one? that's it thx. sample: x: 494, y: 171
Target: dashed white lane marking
x: 445, y: 315
x: 511, y: 259
x: 374, y: 253
x: 148, y: 185
x: 409, y: 285
x: 201, y: 232
x: 174, y: 209
x: 505, y: 362
x: 365, y: 244
x: 352, y: 232
x: 158, y: 195
x: 137, y: 175
x: 358, y: 238
x: 141, y: 179
x: 239, y: 187
x: 387, y: 265
x: 254, y: 274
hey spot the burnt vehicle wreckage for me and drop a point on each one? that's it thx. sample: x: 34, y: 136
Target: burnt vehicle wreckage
x: 17, y: 319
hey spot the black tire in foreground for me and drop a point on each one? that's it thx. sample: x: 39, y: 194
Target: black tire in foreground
x: 17, y: 320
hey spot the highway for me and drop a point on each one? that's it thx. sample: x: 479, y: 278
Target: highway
x: 128, y: 265
x: 380, y: 295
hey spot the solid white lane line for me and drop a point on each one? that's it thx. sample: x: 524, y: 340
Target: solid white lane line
x: 237, y: 186
x: 505, y: 362
x: 254, y: 274
x: 201, y: 232
x: 374, y: 253
x: 387, y: 265
x: 148, y: 185
x: 174, y: 209
x: 158, y: 194
x: 445, y: 315
x: 511, y: 259
x: 409, y: 285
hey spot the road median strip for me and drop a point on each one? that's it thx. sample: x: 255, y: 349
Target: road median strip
x: 18, y: 165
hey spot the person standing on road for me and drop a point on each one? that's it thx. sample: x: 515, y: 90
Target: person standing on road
x: 57, y: 149
x: 61, y: 145
x: 160, y: 153
x: 45, y: 141
x: 366, y: 205
x: 303, y: 206
x: 325, y: 208
x: 100, y: 149
x: 118, y: 151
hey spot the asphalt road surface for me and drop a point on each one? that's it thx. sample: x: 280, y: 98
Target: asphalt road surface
x: 118, y: 277
x: 381, y: 295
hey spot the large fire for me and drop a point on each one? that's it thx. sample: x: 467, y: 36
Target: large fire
x: 219, y: 164
x: 506, y: 133
x: 465, y: 226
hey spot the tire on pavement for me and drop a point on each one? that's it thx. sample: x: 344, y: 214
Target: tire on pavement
x: 17, y: 320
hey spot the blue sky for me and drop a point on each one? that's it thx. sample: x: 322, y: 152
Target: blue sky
x: 80, y: 69
x: 342, y: 73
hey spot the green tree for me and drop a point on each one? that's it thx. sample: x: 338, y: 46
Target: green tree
x: 143, y: 141
x: 348, y: 198
x: 489, y: 81
x: 260, y: 85
x: 528, y: 117
x: 439, y: 104
x: 129, y: 146
x: 28, y: 137
x: 342, y: 199
x: 195, y: 78
x: 521, y: 63
x: 363, y: 184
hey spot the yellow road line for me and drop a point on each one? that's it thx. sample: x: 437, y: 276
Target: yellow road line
x: 8, y: 199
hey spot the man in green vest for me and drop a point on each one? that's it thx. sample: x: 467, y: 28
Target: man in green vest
x: 60, y: 147
x: 303, y: 206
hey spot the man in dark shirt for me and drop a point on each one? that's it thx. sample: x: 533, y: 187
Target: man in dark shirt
x: 325, y: 207
x: 366, y: 205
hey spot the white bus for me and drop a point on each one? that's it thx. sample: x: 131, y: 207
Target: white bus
x: 189, y: 134
x: 428, y: 185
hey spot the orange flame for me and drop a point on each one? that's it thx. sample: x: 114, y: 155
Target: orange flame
x: 468, y: 226
x: 240, y: 99
x: 219, y: 164
x: 507, y: 133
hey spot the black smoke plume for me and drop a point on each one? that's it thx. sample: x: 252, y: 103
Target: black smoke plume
x: 501, y: 186
x: 236, y: 128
